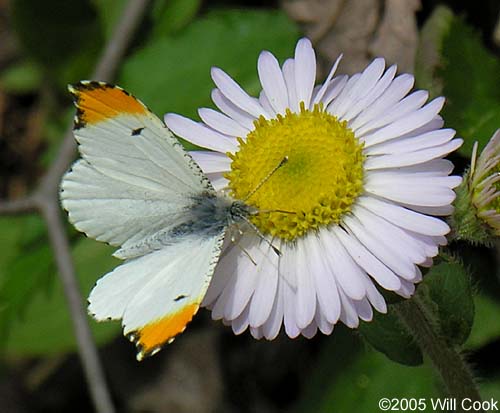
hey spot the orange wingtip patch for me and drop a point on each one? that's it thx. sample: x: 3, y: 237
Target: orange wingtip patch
x: 152, y: 336
x: 97, y: 101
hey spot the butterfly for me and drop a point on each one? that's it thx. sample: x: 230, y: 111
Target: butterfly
x: 136, y: 188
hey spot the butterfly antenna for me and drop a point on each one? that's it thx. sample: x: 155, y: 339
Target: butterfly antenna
x: 266, y: 178
x: 260, y: 234
x: 237, y: 244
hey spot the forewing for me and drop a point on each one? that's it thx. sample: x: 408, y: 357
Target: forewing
x: 134, y: 177
x: 156, y: 295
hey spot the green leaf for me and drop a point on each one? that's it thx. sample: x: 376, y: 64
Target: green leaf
x: 44, y: 324
x: 447, y: 284
x: 22, y: 77
x: 170, y: 16
x: 363, y: 382
x: 386, y: 334
x: 25, y: 267
x: 487, y: 328
x: 173, y: 74
x: 64, y: 37
x: 466, y: 73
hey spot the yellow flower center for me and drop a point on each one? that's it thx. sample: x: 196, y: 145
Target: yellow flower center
x: 317, y: 185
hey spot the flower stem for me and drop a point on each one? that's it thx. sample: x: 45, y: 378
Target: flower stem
x: 447, y: 360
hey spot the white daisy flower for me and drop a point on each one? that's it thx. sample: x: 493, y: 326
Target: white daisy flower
x: 351, y: 210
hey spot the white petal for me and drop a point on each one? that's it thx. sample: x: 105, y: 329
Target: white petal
x: 245, y: 280
x: 346, y: 271
x: 427, y: 263
x: 265, y: 291
x: 400, y: 242
x: 217, y: 180
x: 306, y: 293
x: 335, y: 87
x: 305, y: 71
x: 219, y: 305
x: 287, y: 267
x: 348, y: 313
x: 411, y: 158
x: 211, y: 161
x: 428, y: 243
x: 256, y: 333
x: 333, y: 107
x: 368, y: 79
x: 384, y: 252
x: 272, y: 326
x: 234, y: 112
x: 407, y: 289
x: 434, y: 124
x: 222, y: 123
x: 237, y: 264
x: 421, y: 194
x: 393, y: 94
x: 390, y: 177
x: 404, y: 125
x: 364, y: 309
x: 318, y: 96
x: 232, y: 91
x: 289, y: 310
x: 239, y: 324
x: 370, y: 97
x: 324, y: 280
x: 415, y: 143
x: 273, y: 82
x: 443, y: 210
x: 289, y: 76
x: 310, y: 331
x: 374, y: 297
x: 434, y: 167
x: 264, y: 101
x: 223, y: 272
x: 405, y: 218
x: 409, y: 104
x: 323, y: 324
x: 199, y: 134
x: 364, y: 258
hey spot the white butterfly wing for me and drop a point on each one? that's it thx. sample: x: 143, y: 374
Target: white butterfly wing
x: 157, y: 294
x: 135, y: 178
x: 133, y: 187
x: 114, y: 211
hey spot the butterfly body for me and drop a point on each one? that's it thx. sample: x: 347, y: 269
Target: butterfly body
x: 208, y: 215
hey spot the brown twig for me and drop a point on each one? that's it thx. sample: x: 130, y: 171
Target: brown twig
x: 18, y: 206
x: 45, y: 201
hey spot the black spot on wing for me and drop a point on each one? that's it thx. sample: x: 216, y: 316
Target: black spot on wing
x: 180, y: 297
x: 137, y: 131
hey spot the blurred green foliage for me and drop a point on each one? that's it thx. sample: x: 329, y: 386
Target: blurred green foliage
x: 452, y: 61
x: 69, y: 49
x: 34, y: 307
